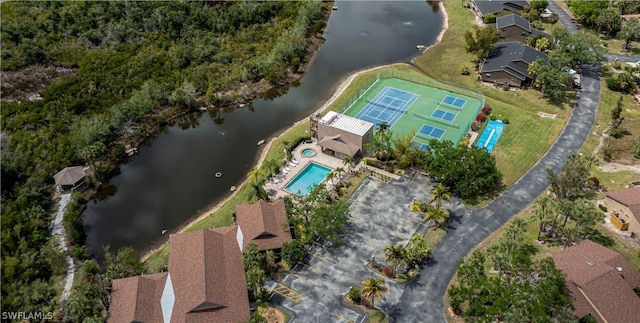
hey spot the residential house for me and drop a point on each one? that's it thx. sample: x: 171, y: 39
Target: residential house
x: 341, y: 135
x: 508, y: 63
x: 205, y: 283
x: 515, y: 28
x: 264, y: 223
x: 600, y: 282
x: 70, y: 179
x: 484, y: 7
x: 624, y: 206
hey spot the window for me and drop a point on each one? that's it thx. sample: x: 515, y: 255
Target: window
x: 487, y: 74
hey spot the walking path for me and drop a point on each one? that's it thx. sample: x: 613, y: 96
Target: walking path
x: 57, y: 230
x: 470, y: 227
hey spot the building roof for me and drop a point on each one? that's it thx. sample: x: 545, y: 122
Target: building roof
x: 513, y: 20
x: 346, y: 123
x: 600, y: 282
x: 205, y: 283
x: 504, y: 56
x: 69, y: 175
x: 133, y: 298
x: 629, y: 197
x: 495, y: 6
x: 264, y: 223
x: 208, y: 276
x: 339, y: 144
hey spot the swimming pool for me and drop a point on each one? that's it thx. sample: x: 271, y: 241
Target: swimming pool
x: 490, y: 135
x: 308, y: 178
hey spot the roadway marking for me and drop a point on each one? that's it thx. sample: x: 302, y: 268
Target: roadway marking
x: 314, y: 269
x: 342, y: 317
x: 324, y: 246
x: 302, y: 279
x: 321, y: 258
x: 288, y: 293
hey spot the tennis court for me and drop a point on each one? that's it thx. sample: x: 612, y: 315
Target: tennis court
x: 387, y: 106
x: 453, y: 101
x: 414, y: 109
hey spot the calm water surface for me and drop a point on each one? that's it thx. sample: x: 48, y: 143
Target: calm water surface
x: 172, y: 179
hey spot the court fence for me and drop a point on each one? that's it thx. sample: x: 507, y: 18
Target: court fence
x: 345, y: 106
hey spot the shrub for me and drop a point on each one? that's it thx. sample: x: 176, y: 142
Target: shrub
x: 464, y: 141
x: 480, y: 117
x: 489, y: 18
x: 616, y: 65
x: 354, y: 295
x: 603, y: 207
x: 387, y: 271
x: 618, y: 132
x: 554, y: 18
x: 493, y: 117
x: 486, y: 109
x: 475, y: 126
x: 505, y: 120
x: 464, y: 69
x: 606, y: 152
x: 506, y: 87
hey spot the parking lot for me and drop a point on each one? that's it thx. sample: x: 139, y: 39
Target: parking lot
x: 379, y: 216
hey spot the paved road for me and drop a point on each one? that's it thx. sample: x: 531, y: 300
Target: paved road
x: 422, y: 301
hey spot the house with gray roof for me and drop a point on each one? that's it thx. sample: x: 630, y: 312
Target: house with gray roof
x: 508, y: 63
x: 484, y: 7
x: 515, y: 28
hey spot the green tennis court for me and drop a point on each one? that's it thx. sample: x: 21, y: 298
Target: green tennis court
x: 426, y: 112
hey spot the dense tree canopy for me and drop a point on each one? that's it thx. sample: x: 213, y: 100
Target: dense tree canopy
x: 480, y: 42
x: 469, y: 172
x: 587, y: 11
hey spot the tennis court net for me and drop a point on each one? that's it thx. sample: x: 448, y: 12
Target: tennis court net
x: 386, y: 106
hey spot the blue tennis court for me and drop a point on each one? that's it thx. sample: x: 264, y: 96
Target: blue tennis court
x: 453, y: 101
x: 490, y: 135
x: 419, y: 145
x: 387, y: 106
x: 444, y: 115
x: 431, y: 131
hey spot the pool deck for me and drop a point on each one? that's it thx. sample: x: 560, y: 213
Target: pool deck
x: 319, y: 158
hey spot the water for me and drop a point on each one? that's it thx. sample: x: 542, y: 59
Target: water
x: 171, y: 180
x: 312, y: 175
x: 490, y: 135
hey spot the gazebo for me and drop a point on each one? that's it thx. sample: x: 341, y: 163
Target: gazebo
x: 70, y: 179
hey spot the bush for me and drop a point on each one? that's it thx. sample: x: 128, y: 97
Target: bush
x: 489, y: 18
x: 486, y: 109
x: 618, y: 133
x: 493, y: 117
x: 606, y: 152
x: 616, y: 65
x: 553, y: 18
x: 475, y: 126
x: 464, y: 69
x: 387, y: 271
x: 354, y: 295
x: 293, y: 252
x: 603, y: 207
x: 506, y: 87
x: 464, y: 141
x: 505, y: 120
x: 481, y: 117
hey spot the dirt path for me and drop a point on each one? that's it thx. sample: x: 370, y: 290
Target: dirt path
x: 614, y: 167
x: 57, y: 231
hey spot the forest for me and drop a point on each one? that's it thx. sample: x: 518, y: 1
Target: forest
x: 136, y: 64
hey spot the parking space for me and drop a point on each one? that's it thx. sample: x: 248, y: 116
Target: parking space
x: 379, y: 216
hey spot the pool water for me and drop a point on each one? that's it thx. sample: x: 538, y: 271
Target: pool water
x: 308, y: 152
x: 308, y: 178
x: 490, y: 135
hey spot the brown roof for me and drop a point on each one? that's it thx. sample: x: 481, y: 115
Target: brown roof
x: 208, y: 276
x: 600, y: 282
x: 264, y: 223
x: 205, y: 283
x: 339, y: 144
x: 69, y: 175
x: 629, y: 197
x: 137, y: 299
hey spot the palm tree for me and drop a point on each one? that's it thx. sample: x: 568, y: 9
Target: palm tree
x: 257, y: 192
x: 271, y: 166
x: 348, y: 162
x: 339, y: 172
x: 255, y: 176
x: 440, y: 193
x: 373, y: 287
x: 331, y: 176
x: 437, y: 214
x: 543, y: 209
x: 256, y: 278
x: 397, y: 255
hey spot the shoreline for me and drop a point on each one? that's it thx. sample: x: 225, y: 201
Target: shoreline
x: 344, y: 84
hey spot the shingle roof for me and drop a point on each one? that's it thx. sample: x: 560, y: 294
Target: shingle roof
x: 505, y: 53
x: 495, y: 6
x: 208, y: 277
x: 264, y: 223
x: 137, y: 299
x: 600, y: 282
x: 629, y: 197
x: 347, y: 123
x: 339, y: 144
x: 69, y: 175
x: 207, y: 283
x: 513, y: 20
